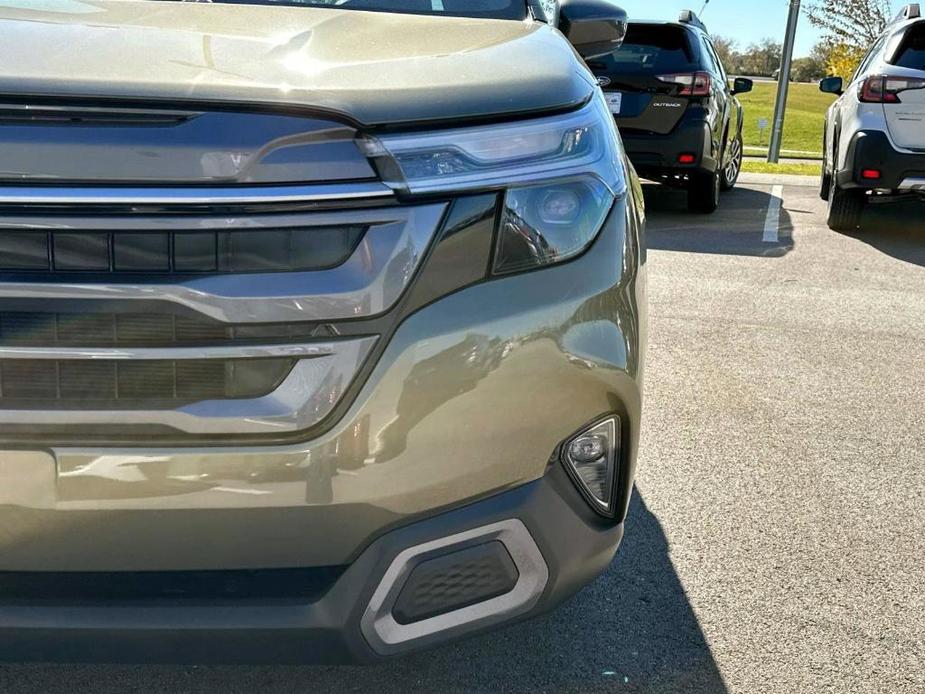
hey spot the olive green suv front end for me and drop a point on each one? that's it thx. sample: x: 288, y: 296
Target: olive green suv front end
x: 286, y: 379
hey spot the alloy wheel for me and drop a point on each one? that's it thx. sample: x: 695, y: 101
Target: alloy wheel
x: 734, y: 165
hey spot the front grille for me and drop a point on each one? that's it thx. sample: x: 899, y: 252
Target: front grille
x: 151, y: 384
x: 215, y: 314
x: 153, y: 329
x: 177, y: 252
x: 41, y: 329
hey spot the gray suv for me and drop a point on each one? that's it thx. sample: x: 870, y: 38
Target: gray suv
x: 322, y: 325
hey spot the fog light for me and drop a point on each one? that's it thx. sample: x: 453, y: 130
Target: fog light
x: 686, y: 158
x: 588, y: 448
x: 591, y: 460
x: 871, y: 174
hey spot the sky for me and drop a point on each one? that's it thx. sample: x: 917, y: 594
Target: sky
x: 745, y: 21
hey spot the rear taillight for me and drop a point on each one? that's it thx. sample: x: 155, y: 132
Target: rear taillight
x: 882, y: 89
x: 692, y: 84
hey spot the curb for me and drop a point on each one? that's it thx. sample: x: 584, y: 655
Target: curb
x: 780, y: 179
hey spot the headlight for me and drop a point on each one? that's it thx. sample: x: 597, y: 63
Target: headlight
x: 500, y: 156
x: 547, y: 224
x: 561, y: 173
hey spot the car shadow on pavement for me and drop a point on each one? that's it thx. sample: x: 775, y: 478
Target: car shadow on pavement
x: 633, y: 630
x: 897, y: 229
x: 736, y: 228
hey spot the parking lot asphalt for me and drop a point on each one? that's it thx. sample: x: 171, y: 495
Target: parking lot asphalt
x: 777, y: 535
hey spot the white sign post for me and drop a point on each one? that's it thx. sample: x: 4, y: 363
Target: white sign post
x: 763, y: 124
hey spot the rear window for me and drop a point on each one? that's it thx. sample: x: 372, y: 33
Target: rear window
x: 911, y: 53
x: 656, y: 49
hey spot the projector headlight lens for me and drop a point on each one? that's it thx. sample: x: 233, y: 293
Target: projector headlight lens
x: 560, y: 206
x: 547, y: 224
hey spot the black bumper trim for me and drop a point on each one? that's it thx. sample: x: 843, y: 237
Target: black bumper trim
x: 576, y: 544
x: 656, y: 155
x: 872, y: 149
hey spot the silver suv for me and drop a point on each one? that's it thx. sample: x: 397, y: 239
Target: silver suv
x: 321, y: 328
x: 875, y: 132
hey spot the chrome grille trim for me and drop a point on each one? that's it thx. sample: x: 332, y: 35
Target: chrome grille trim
x: 369, y: 283
x: 309, y: 351
x: 211, y: 195
x: 304, y: 398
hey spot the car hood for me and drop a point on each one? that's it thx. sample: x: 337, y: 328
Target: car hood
x: 375, y: 68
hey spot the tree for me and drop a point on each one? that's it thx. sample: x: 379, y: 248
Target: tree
x: 808, y: 69
x: 761, y: 59
x: 839, y: 59
x: 843, y: 59
x: 849, y: 29
x: 727, y: 51
x: 853, y: 23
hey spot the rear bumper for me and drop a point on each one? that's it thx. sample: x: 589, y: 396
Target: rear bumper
x: 872, y: 149
x: 573, y: 547
x: 655, y: 155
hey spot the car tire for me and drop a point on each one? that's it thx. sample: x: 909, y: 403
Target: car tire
x: 703, y: 192
x: 825, y: 190
x: 846, y: 207
x: 733, y: 167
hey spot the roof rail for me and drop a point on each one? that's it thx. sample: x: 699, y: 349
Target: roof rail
x: 688, y: 17
x: 911, y: 11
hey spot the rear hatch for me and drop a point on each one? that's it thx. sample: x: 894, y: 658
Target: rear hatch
x: 643, y: 80
x: 905, y: 116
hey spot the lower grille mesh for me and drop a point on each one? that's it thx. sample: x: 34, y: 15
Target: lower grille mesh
x: 95, y: 329
x: 152, y: 384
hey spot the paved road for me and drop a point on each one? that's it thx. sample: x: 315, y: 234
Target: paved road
x: 776, y: 542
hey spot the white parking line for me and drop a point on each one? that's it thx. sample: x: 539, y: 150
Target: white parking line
x: 772, y: 221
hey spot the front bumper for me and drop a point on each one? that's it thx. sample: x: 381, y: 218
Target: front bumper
x: 872, y: 149
x: 453, y: 429
x: 575, y: 546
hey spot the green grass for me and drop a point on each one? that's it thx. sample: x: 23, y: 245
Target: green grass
x: 805, y: 119
x: 795, y: 169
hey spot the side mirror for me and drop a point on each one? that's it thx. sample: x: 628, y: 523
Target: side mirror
x: 594, y: 27
x: 741, y: 85
x: 832, y: 85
